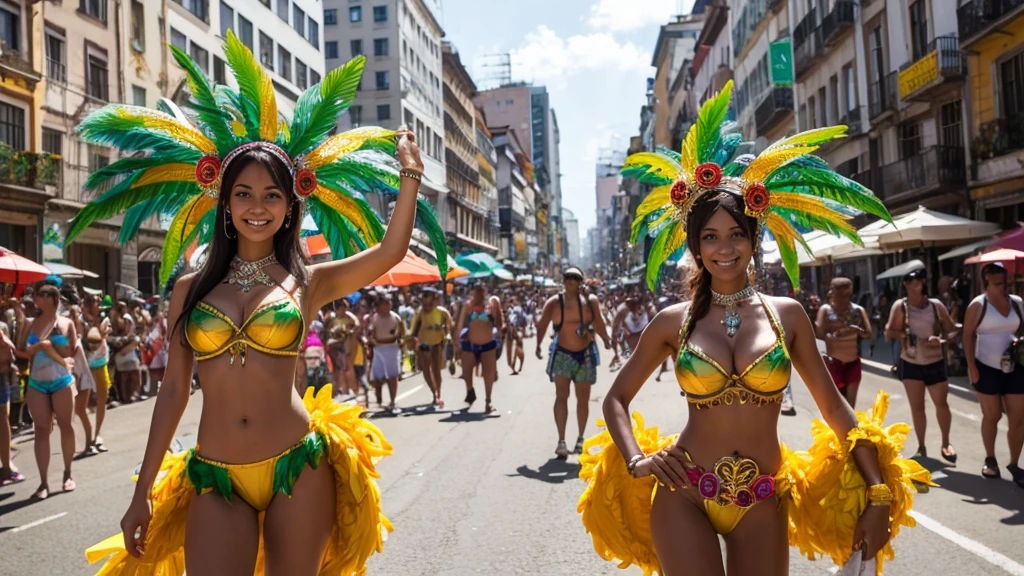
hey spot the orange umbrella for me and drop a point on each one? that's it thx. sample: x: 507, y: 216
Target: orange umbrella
x: 453, y: 272
x: 317, y: 245
x: 407, y: 272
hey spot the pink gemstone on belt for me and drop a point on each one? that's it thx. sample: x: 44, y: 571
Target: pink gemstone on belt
x: 693, y: 475
x: 743, y: 498
x: 708, y: 485
x: 764, y: 487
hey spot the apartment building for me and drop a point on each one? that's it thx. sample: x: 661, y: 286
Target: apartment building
x: 763, y: 71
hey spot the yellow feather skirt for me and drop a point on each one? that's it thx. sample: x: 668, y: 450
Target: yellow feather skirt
x: 824, y: 490
x: 354, y: 445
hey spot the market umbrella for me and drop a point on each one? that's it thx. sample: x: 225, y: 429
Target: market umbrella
x: 67, y: 271
x: 481, y: 264
x: 317, y: 245
x: 454, y: 270
x: 1000, y: 255
x: 924, y: 227
x: 901, y: 270
x: 408, y: 271
x: 20, y: 270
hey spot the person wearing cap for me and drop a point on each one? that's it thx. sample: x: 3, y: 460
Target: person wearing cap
x: 431, y: 327
x: 991, y: 325
x: 842, y: 324
x: 573, y: 355
x: 923, y: 325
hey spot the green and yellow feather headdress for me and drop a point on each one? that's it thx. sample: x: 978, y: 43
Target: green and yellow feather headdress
x: 785, y: 187
x: 175, y: 158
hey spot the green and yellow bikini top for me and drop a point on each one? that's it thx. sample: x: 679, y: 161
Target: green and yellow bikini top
x: 705, y: 383
x: 275, y: 328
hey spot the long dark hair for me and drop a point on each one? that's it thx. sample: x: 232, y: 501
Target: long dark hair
x: 700, y: 279
x: 223, y: 248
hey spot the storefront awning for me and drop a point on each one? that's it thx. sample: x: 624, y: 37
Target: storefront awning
x: 967, y: 250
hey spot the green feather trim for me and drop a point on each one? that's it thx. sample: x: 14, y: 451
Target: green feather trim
x: 204, y: 475
x: 827, y: 184
x: 426, y: 220
x: 807, y: 220
x: 643, y: 175
x: 641, y: 227
x: 790, y: 261
x: 248, y: 73
x: 657, y: 256
x: 709, y: 124
x: 216, y: 121
x: 173, y: 251
x: 318, y: 108
x: 333, y: 226
x: 676, y: 156
x: 738, y: 165
x: 289, y: 466
x: 130, y: 164
x: 364, y: 171
x: 167, y: 203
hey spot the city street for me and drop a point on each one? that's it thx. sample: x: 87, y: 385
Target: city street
x: 475, y: 495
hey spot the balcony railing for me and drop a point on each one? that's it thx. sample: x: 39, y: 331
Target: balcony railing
x: 998, y: 137
x: 884, y: 95
x: 930, y: 169
x: 977, y: 15
x: 942, y: 60
x: 776, y: 104
x: 838, y: 20
x: 28, y: 169
x: 747, y: 22
x: 851, y: 119
x: 808, y: 53
x: 15, y: 61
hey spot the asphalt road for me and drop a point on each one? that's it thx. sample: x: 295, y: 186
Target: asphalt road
x: 476, y: 495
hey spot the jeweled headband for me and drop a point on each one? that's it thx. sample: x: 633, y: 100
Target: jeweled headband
x: 210, y: 168
x: 789, y: 190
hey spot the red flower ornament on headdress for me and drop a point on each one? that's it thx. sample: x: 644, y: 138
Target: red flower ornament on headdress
x: 679, y: 192
x: 756, y: 199
x: 305, y: 183
x: 708, y: 174
x: 208, y: 171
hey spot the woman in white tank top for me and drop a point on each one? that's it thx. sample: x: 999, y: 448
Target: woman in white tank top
x: 994, y: 319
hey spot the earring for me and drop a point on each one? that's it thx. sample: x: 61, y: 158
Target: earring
x: 227, y: 216
x: 288, y: 219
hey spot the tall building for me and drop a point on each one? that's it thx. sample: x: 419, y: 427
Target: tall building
x: 572, y: 237
x: 512, y: 194
x: 467, y: 215
x: 673, y: 50
x: 763, y: 70
x: 402, y: 81
x: 487, y: 162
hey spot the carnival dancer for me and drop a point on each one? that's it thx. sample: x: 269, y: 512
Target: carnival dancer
x: 922, y: 325
x: 733, y: 350
x: 51, y: 392
x: 431, y: 328
x: 842, y: 324
x: 277, y: 484
x: 991, y: 327
x: 480, y: 322
x: 573, y: 356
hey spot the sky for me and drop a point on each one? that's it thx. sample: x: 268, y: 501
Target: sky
x: 594, y: 56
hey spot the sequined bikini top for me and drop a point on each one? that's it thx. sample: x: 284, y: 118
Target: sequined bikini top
x: 274, y: 328
x: 705, y: 383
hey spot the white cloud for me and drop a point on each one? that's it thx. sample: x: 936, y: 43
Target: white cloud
x: 626, y: 15
x: 546, y: 57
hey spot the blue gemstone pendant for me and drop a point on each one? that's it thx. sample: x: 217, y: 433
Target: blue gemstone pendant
x: 731, y: 321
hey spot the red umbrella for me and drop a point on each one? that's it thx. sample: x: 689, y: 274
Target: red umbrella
x: 20, y: 270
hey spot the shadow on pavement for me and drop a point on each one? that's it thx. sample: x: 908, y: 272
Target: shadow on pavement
x: 464, y: 415
x: 981, y: 491
x: 554, y: 471
x: 19, y: 504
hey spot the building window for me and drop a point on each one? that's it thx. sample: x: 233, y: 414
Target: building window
x: 851, y: 89
x: 356, y: 113
x: 812, y: 111
x: 96, y: 76
x: 910, y: 139
x: 266, y: 51
x: 219, y: 71
x: 330, y: 16
x: 380, y: 13
x: 200, y: 56
x: 300, y: 74
x: 178, y: 40
x: 198, y: 8
x: 12, y: 126
x: 1012, y: 77
x: 138, y: 27
x: 282, y: 9
x: 330, y: 49
x: 355, y: 13
x: 356, y: 47
x: 952, y: 134
x: 56, y: 57
x: 138, y: 96
x: 245, y: 32
x: 383, y: 112
x: 284, y: 63
x: 227, y: 19
x: 918, y: 29
x: 877, y: 60
x: 833, y: 101
x: 99, y: 157
x: 314, y: 33
x: 94, y: 8
x: 314, y: 77
x: 382, y: 80
x: 299, y: 20
x: 10, y: 28
x: 380, y: 46
x: 53, y: 141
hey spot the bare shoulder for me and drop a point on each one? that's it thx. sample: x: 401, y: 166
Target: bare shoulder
x: 671, y: 318
x: 790, y: 311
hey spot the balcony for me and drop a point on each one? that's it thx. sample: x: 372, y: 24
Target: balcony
x: 28, y: 169
x: 12, y: 61
x: 854, y: 127
x: 839, y: 20
x: 934, y: 74
x: 776, y: 105
x: 980, y: 16
x: 937, y: 169
x: 746, y: 24
x: 807, y: 44
x: 884, y: 96
x: 998, y: 150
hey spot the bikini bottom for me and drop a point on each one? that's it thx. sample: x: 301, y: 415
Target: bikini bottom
x: 731, y: 488
x: 256, y: 483
x: 478, y: 349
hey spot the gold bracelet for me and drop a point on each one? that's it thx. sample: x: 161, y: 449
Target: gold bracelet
x: 410, y: 173
x: 879, y: 495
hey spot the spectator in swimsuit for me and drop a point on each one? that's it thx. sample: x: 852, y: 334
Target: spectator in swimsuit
x: 480, y: 321
x: 431, y: 327
x: 8, y: 378
x: 842, y: 324
x: 386, y: 331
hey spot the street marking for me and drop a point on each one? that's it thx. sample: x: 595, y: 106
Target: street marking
x: 972, y: 546
x: 38, y: 522
x: 408, y: 393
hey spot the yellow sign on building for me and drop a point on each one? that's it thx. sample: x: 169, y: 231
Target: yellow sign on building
x: 921, y: 73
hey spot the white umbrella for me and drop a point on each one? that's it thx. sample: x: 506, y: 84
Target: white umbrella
x: 924, y: 227
x: 770, y: 253
x: 68, y: 271
x: 901, y: 270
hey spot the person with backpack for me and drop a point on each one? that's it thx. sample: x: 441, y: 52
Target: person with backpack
x: 993, y: 328
x: 923, y: 325
x: 573, y: 356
